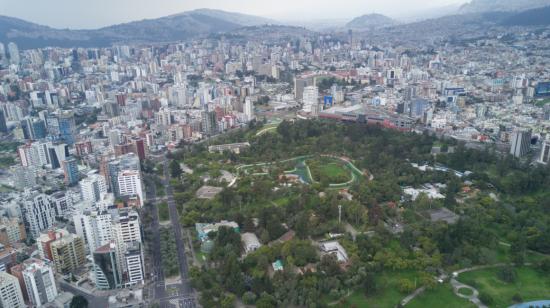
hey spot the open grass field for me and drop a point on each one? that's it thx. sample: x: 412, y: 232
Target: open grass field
x: 529, y: 284
x: 440, y: 296
x: 328, y: 170
x: 164, y: 215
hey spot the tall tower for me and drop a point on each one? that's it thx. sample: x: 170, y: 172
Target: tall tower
x: 14, y: 53
x: 521, y: 142
x: 106, y: 267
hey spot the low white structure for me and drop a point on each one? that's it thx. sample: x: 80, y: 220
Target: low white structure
x: 251, y: 242
x: 334, y: 248
x: 432, y: 191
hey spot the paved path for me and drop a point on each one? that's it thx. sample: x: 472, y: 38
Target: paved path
x: 411, y: 296
x: 474, y: 297
x: 457, y: 285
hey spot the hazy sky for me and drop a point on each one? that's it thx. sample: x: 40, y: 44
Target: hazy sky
x: 98, y: 13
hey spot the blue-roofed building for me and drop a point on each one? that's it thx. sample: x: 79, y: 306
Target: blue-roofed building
x: 542, y: 90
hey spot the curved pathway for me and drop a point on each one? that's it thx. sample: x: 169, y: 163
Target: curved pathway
x: 355, y: 172
x: 474, y: 297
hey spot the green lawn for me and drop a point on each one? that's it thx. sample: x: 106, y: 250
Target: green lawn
x: 388, y: 296
x: 465, y: 291
x: 164, y: 214
x: 530, y: 284
x: 440, y: 296
x: 328, y: 170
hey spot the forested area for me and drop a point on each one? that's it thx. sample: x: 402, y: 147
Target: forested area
x: 507, y: 201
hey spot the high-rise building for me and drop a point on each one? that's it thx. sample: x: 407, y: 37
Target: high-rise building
x: 12, y: 231
x: 63, y: 203
x: 545, y: 153
x: 95, y: 227
x: 3, y: 125
x: 129, y: 161
x: 133, y: 263
x: 311, y: 98
x: 126, y: 230
x: 299, y: 86
x: 41, y: 153
x: 40, y: 282
x: 521, y: 142
x: 209, y: 122
x: 8, y: 257
x: 25, y: 177
x: 93, y: 188
x: 67, y: 252
x: 13, y: 52
x: 39, y: 213
x: 106, y: 267
x: 3, y: 57
x: 10, y: 292
x: 249, y: 109
x: 129, y: 184
x: 67, y: 127
x: 43, y: 243
x: 418, y: 107
x: 33, y: 129
x: 70, y: 171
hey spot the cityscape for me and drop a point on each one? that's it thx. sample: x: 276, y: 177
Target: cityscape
x: 219, y: 159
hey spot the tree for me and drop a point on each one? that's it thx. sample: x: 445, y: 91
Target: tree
x: 249, y: 298
x: 369, y: 284
x: 175, y: 169
x: 79, y: 301
x: 266, y: 301
x: 405, y: 285
x: 507, y: 274
x: 329, y: 265
x: 544, y: 265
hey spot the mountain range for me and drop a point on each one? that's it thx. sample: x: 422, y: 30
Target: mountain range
x: 170, y: 28
x: 480, y: 6
x: 370, y: 21
x: 204, y: 22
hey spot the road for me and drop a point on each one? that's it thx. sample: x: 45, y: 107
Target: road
x: 184, y: 297
x: 185, y: 291
x: 157, y: 274
x: 93, y: 301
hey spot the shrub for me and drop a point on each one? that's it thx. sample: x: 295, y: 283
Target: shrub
x: 405, y: 285
x: 486, y: 299
x: 507, y: 274
x: 249, y: 298
x: 517, y: 298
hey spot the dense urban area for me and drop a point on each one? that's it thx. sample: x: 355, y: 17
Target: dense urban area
x: 373, y: 165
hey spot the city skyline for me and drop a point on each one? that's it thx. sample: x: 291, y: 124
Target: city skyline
x: 76, y: 16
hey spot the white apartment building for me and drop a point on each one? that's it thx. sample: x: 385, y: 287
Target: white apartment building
x: 129, y: 184
x: 310, y: 98
x: 10, y: 291
x: 95, y: 227
x: 40, y: 282
x: 93, y: 188
x: 39, y: 213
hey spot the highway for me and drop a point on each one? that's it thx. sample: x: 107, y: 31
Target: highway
x: 157, y: 274
x: 184, y: 290
x: 184, y: 295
